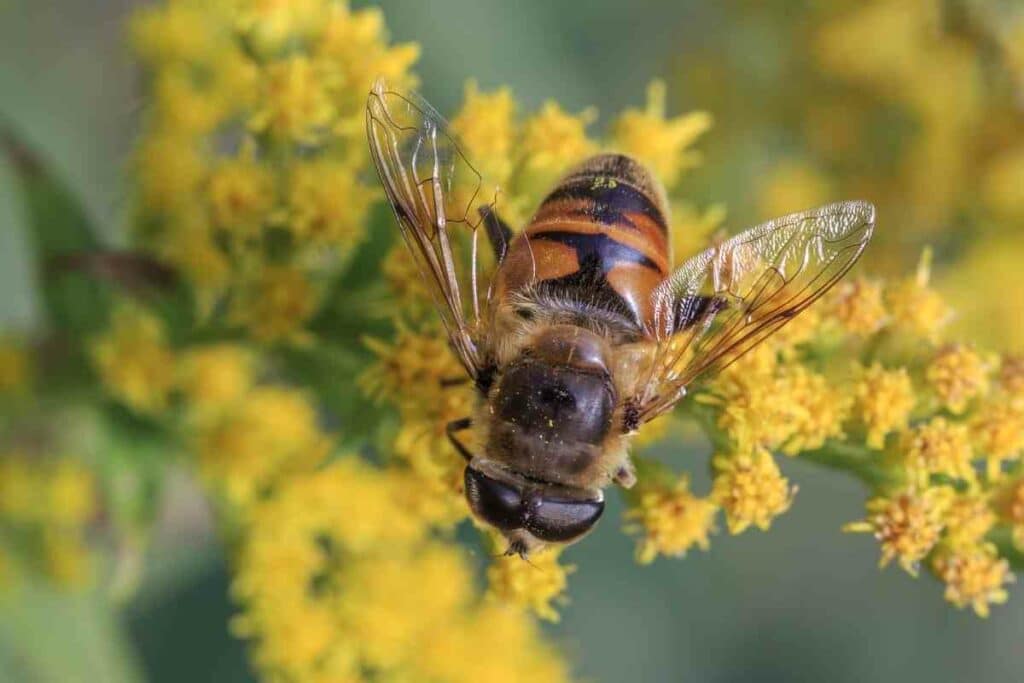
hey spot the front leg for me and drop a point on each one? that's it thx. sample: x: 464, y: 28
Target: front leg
x: 454, y: 427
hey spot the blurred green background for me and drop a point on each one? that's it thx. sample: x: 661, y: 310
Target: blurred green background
x: 801, y: 603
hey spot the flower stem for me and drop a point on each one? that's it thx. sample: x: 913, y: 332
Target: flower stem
x: 856, y: 460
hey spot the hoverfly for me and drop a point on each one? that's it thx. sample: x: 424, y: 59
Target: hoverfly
x: 578, y: 332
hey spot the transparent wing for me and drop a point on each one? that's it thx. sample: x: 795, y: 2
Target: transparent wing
x: 439, y: 200
x: 731, y: 297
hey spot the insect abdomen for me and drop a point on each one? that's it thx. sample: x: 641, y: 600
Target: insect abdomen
x: 600, y: 238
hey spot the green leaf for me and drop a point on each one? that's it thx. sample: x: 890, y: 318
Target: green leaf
x: 48, y: 636
x: 59, y: 227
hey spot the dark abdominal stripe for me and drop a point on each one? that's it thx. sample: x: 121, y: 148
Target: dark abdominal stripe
x: 596, y: 254
x: 609, y: 201
x: 597, y: 249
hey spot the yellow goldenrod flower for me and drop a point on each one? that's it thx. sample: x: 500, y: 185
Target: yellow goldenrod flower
x: 937, y: 447
x: 746, y: 395
x: 134, y: 361
x: 355, y: 43
x: 378, y: 596
x: 661, y: 143
x: 750, y: 489
x: 71, y: 497
x: 423, y: 443
x: 669, y: 519
x: 917, y: 308
x: 506, y: 648
x: 241, y: 192
x: 272, y: 23
x: 817, y: 410
x: 535, y: 585
x: 552, y: 140
x: 296, y: 103
x: 170, y: 169
x: 415, y: 359
x: 48, y: 503
x: 486, y: 127
x: 858, y: 307
x: 178, y: 32
x: 957, y: 374
x: 974, y: 577
x: 336, y: 576
x: 410, y: 296
x: 276, y: 304
x: 998, y: 431
x: 59, y: 493
x: 791, y: 186
x: 787, y: 406
x: 907, y: 525
x: 215, y: 377
x: 884, y: 401
x: 328, y: 204
x: 15, y: 367
x: 192, y: 249
x: 802, y: 329
x: 182, y: 106
x: 968, y: 520
x: 272, y: 430
x: 423, y: 360
x: 1010, y: 507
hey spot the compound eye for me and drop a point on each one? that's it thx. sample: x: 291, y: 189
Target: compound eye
x: 561, y: 521
x: 497, y: 503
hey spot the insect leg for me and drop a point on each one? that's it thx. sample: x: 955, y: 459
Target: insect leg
x: 498, y: 232
x: 459, y: 426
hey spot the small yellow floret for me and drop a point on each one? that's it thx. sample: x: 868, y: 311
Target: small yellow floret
x: 669, y: 519
x: 215, y: 377
x: 328, y: 204
x: 661, y: 143
x: 975, y: 576
x: 277, y: 304
x: 296, y: 105
x: 957, y: 374
x: 486, y: 126
x: 938, y: 447
x: 916, y: 307
x: 536, y: 585
x: 907, y: 525
x: 750, y: 489
x: 885, y: 399
x: 241, y: 193
x: 858, y: 307
x: 134, y: 360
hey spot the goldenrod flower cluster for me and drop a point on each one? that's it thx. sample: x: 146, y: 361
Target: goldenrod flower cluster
x: 250, y: 168
x: 46, y: 507
x: 870, y: 385
x: 342, y: 580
